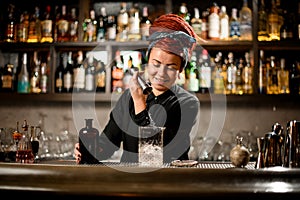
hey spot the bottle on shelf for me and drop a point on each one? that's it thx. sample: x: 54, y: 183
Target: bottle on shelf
x: 134, y: 23
x: 46, y: 26
x: 102, y: 25
x: 204, y: 72
x: 10, y: 25
x: 262, y: 32
x: 88, y: 143
x: 234, y: 25
x: 272, y: 84
x: 204, y: 31
x: 294, y: 79
x: 192, y: 74
x: 90, y: 74
x: 273, y: 22
x: 122, y: 23
x: 22, y: 28
x: 34, y: 28
x: 247, y: 75
x: 224, y: 24
x: 90, y: 27
x: 79, y: 74
x: 214, y: 22
x: 245, y: 18
x: 35, y: 74
x: 283, y: 78
x: 184, y: 13
x: 217, y: 75
x: 44, y: 80
x: 59, y: 73
x: 7, y: 78
x: 68, y: 74
x: 262, y: 74
x: 287, y: 28
x: 196, y: 22
x: 73, y: 26
x: 111, y: 30
x: 231, y: 75
x: 62, y: 25
x: 145, y: 24
x: 239, y: 79
x: 23, y: 77
x: 117, y: 73
x: 100, y: 76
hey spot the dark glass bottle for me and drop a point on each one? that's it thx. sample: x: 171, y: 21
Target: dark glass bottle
x: 59, y: 73
x: 88, y: 143
x: 68, y: 75
x: 294, y: 79
x: 10, y: 25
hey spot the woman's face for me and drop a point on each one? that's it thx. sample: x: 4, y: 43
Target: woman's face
x: 162, y: 70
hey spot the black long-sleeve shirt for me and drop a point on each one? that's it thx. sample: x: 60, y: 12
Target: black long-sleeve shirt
x: 176, y: 109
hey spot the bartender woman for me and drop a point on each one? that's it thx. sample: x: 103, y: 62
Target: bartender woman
x: 171, y: 43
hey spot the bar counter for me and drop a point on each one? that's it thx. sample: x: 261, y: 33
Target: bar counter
x: 116, y: 181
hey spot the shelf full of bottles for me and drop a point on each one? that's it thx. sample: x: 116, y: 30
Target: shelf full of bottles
x: 237, y: 47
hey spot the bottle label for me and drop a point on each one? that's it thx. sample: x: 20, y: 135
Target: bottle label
x: 7, y: 81
x: 47, y: 28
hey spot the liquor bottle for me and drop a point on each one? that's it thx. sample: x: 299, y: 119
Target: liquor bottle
x: 184, y: 13
x: 73, y: 26
x: 294, y: 80
x: 102, y: 25
x: 24, y: 152
x: 287, y: 28
x: 145, y: 23
x: 234, y: 25
x: 68, y: 74
x: 22, y: 28
x: 35, y: 74
x: 55, y: 23
x: 88, y: 143
x: 239, y: 78
x: 245, y: 18
x: 231, y: 75
x: 23, y: 77
x: 117, y: 73
x: 79, y: 74
x: 59, y: 73
x: 111, y: 30
x: 10, y: 25
x: 44, y: 77
x: 90, y: 27
x: 224, y: 24
x: 90, y: 74
x: 7, y: 78
x: 262, y: 74
x: 214, y: 23
x: 100, y: 76
x: 283, y: 78
x: 247, y: 75
x: 297, y: 31
x: 34, y: 140
x: 204, y: 31
x: 47, y: 24
x: 273, y: 23
x: 34, y: 28
x: 217, y: 75
x: 196, y: 22
x: 272, y: 84
x: 63, y: 25
x: 192, y: 74
x: 134, y: 23
x: 204, y: 72
x: 122, y: 23
x: 262, y: 32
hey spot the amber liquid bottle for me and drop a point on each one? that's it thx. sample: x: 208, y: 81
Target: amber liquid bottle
x: 88, y: 143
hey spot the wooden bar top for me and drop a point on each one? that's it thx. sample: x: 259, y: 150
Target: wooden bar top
x: 119, y: 181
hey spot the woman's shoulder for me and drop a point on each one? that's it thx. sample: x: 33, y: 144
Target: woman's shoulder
x: 183, y: 94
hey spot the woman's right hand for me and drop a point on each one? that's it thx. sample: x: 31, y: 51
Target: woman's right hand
x: 77, y: 153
